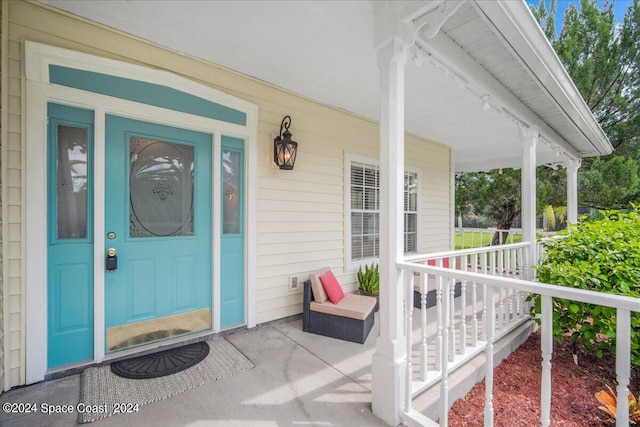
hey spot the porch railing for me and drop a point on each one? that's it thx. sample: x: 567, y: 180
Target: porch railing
x: 479, y: 297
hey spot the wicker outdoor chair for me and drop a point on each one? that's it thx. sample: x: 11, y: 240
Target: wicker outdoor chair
x: 350, y: 320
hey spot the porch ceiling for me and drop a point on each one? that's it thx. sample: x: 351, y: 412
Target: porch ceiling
x: 324, y: 50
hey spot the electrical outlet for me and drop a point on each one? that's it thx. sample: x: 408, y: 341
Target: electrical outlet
x: 293, y: 283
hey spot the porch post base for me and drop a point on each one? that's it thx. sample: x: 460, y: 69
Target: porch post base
x: 386, y: 395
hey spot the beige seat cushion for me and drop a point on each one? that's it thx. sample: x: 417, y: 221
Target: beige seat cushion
x: 319, y: 294
x: 353, y: 306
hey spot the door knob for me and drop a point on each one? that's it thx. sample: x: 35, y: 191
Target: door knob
x: 111, y: 262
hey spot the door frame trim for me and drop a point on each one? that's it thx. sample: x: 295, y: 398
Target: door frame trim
x: 39, y: 92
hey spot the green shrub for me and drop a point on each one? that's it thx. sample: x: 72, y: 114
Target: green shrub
x: 603, y: 256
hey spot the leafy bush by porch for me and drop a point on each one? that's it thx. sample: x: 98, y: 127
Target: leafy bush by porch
x: 603, y: 256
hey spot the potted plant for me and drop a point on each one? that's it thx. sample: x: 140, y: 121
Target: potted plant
x: 369, y: 282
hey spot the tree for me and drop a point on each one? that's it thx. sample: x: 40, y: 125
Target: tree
x: 497, y: 192
x: 603, y: 60
x: 546, y: 19
x: 611, y: 183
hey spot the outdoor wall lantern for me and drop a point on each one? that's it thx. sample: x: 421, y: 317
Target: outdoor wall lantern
x: 284, y: 149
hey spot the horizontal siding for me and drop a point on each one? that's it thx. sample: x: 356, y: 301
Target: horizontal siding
x: 435, y: 200
x: 13, y: 198
x: 300, y: 213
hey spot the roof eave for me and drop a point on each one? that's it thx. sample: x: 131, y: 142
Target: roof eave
x: 520, y: 30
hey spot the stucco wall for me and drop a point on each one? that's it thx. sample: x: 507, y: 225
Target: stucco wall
x: 300, y: 213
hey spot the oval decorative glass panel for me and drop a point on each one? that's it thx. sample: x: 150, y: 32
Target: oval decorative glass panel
x: 160, y: 188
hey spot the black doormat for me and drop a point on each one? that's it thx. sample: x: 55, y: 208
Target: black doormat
x: 162, y: 363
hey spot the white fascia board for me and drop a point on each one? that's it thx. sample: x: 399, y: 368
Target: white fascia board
x: 519, y: 30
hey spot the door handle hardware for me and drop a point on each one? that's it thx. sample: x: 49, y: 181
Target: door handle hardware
x: 111, y: 263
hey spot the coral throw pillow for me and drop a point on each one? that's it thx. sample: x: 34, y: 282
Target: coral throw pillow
x: 445, y: 262
x: 332, y: 287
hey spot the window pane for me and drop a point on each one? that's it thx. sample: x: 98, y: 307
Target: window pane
x: 371, y: 177
x: 409, y: 242
x: 410, y: 222
x: 356, y: 247
x: 72, y: 182
x: 410, y: 191
x: 410, y: 232
x: 356, y: 223
x: 369, y: 223
x: 357, y: 183
x: 161, y: 188
x: 231, y: 188
x: 357, y: 174
x: 370, y: 199
x: 370, y: 247
x: 357, y: 198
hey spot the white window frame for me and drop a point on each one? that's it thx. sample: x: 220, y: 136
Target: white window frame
x: 349, y: 160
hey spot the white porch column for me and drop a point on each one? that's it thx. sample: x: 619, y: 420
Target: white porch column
x: 390, y: 357
x: 529, y: 139
x: 572, y: 190
x: 452, y: 195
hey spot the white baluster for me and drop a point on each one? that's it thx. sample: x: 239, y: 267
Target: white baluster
x: 408, y: 328
x: 423, y: 323
x: 523, y: 309
x: 623, y: 365
x: 484, y: 270
x: 488, y: 404
x: 463, y: 308
x: 439, y: 337
x: 547, y: 348
x: 492, y: 301
x: 474, y: 303
x: 444, y: 357
x: 452, y: 314
x: 501, y: 291
x: 515, y: 295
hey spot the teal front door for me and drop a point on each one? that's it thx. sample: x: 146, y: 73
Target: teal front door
x: 158, y: 216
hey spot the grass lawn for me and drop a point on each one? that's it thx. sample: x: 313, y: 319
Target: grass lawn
x: 473, y: 240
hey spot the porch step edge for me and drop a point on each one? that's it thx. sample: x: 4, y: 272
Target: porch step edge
x: 415, y: 418
x: 466, y: 377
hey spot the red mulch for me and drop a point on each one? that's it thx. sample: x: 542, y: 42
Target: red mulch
x: 516, y: 390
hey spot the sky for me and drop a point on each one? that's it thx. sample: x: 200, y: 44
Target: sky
x: 619, y: 9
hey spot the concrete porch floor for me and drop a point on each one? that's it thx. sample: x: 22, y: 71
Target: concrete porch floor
x: 298, y: 379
